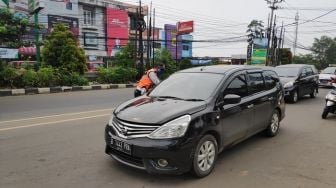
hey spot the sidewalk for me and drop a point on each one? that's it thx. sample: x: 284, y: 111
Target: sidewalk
x: 29, y: 91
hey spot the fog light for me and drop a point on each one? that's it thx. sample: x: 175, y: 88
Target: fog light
x: 163, y: 162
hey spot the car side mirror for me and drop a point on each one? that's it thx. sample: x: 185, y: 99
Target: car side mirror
x: 232, y: 99
x: 276, y: 79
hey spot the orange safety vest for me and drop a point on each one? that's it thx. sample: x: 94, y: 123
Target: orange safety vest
x: 145, y: 81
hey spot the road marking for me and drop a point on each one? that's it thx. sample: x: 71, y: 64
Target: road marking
x: 57, y: 115
x: 52, y: 122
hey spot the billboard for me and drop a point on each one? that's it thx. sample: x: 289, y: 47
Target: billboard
x: 259, y: 52
x: 171, y: 32
x: 185, y: 27
x: 117, y: 30
x: 70, y: 22
x: 8, y: 53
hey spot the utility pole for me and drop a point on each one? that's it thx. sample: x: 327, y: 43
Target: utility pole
x: 153, y: 43
x: 141, y: 26
x: 296, y: 32
x: 273, y: 6
x: 149, y: 34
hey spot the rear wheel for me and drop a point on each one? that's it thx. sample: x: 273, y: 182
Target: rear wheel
x: 273, y: 127
x: 205, y: 156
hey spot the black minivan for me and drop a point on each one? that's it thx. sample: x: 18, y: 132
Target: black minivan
x: 298, y: 80
x: 193, y: 115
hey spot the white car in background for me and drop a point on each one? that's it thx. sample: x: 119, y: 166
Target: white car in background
x: 326, y: 75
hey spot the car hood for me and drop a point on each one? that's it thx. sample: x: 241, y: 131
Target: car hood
x: 325, y: 76
x: 156, y: 110
x: 285, y: 80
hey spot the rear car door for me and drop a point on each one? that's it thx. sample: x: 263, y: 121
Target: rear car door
x: 236, y: 118
x: 262, y: 99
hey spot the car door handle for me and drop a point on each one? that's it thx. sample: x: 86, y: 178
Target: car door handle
x: 250, y: 106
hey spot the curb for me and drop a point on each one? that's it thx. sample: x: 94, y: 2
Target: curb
x: 30, y: 91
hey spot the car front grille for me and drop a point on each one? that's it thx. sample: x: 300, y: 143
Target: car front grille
x: 130, y: 130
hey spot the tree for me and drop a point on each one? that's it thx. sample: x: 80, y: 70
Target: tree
x: 324, y: 51
x: 185, y: 64
x: 163, y: 56
x: 254, y: 30
x: 125, y: 58
x: 12, y: 28
x: 61, y: 51
x: 286, y: 56
x: 306, y: 59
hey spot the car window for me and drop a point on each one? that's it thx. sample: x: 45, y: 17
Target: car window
x: 303, y: 73
x: 287, y: 71
x: 329, y: 70
x: 270, y: 83
x: 188, y: 86
x: 238, y: 86
x: 309, y: 71
x: 256, y: 83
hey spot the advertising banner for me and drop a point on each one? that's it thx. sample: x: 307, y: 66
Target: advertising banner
x: 71, y: 23
x: 185, y: 27
x: 8, y: 53
x: 117, y: 30
x: 259, y: 52
x: 171, y: 32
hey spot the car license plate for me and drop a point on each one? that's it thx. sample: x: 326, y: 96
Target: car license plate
x: 121, y: 146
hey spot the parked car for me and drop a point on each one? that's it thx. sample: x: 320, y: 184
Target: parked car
x: 192, y: 116
x: 325, y: 76
x: 298, y: 80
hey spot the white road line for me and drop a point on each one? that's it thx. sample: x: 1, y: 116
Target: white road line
x: 57, y: 115
x: 52, y: 122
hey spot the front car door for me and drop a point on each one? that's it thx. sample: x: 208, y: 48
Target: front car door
x: 236, y: 118
x: 303, y: 83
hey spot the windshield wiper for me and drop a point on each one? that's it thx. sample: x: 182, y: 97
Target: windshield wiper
x: 194, y: 100
x: 169, y: 97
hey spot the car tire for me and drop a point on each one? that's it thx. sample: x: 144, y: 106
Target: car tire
x: 274, y: 124
x: 206, y: 152
x: 325, y: 113
x: 313, y: 93
x: 294, y: 97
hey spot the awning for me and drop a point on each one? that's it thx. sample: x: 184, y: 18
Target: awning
x: 27, y: 50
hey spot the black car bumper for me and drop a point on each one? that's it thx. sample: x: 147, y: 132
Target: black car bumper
x: 289, y: 91
x: 146, y: 152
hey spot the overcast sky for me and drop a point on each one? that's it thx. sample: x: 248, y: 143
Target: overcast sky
x: 221, y: 19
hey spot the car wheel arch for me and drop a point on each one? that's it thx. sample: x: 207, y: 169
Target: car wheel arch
x: 217, y: 136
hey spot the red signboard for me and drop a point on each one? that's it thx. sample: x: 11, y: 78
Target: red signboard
x: 117, y: 30
x: 185, y: 27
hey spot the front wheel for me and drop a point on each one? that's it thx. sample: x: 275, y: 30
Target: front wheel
x: 325, y: 113
x: 313, y: 93
x: 205, y: 156
x: 294, y: 96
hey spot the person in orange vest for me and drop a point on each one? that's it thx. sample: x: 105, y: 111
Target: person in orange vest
x: 149, y: 80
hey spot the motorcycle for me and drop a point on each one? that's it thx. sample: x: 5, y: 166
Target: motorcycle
x: 330, y: 106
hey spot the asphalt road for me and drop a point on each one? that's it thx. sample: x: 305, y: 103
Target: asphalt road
x: 56, y: 140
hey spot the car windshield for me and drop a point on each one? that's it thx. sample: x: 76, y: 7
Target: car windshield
x: 329, y: 70
x: 188, y: 86
x: 287, y: 71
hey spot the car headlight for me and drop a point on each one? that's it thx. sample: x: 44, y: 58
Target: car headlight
x: 289, y: 84
x: 173, y: 129
x: 331, y: 97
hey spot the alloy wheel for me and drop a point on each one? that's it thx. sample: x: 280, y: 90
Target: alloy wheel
x: 275, y: 123
x: 206, y: 156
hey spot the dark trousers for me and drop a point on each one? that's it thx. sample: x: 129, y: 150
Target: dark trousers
x: 137, y: 93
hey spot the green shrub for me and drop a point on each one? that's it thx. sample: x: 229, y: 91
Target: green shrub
x: 30, y: 79
x: 117, y: 75
x: 46, y: 77
x: 73, y: 79
x: 9, y: 75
